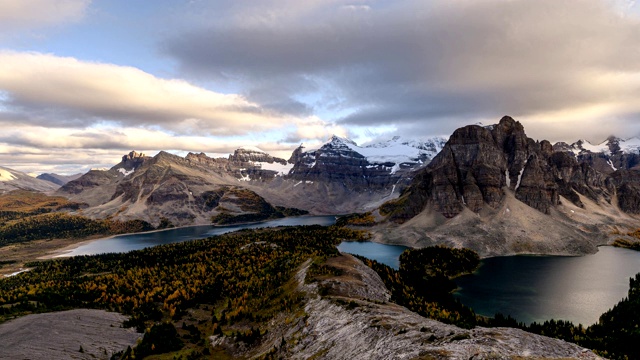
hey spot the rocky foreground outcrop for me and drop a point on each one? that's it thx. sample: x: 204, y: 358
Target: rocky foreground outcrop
x: 356, y: 321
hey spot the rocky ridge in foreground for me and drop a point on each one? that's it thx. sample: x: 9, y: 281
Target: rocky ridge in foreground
x: 357, y: 321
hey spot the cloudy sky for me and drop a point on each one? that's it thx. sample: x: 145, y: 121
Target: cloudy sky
x: 84, y: 81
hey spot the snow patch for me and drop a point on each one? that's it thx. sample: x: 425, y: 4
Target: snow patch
x: 600, y: 148
x: 125, y: 172
x: 298, y: 183
x: 244, y: 177
x: 611, y: 164
x: 280, y: 169
x: 252, y: 149
x: 506, y: 174
x: 520, y: 175
x: 6, y: 175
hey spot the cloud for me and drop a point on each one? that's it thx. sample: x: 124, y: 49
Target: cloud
x: 440, y: 64
x: 315, y: 130
x: 27, y: 14
x: 44, y: 89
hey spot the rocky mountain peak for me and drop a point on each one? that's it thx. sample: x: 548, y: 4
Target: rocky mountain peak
x: 337, y: 140
x: 613, y: 143
x: 132, y: 156
x: 478, y: 164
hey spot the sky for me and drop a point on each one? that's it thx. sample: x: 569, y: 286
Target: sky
x: 83, y: 82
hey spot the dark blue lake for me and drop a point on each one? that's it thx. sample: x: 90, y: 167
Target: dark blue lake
x: 539, y: 288
x: 382, y: 253
x: 124, y: 243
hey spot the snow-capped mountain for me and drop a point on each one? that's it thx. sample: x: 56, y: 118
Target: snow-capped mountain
x: 379, y: 165
x: 251, y: 159
x: 611, y: 146
x: 608, y: 156
x: 401, y: 150
x: 338, y: 177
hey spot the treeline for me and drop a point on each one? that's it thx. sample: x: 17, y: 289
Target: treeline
x: 27, y: 216
x: 364, y: 219
x: 62, y: 226
x: 271, y: 213
x: 239, y: 275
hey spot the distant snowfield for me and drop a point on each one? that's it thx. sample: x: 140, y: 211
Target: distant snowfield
x: 628, y: 146
x: 275, y: 166
x: 397, y: 150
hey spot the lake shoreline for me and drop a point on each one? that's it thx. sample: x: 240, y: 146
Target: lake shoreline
x: 68, y: 250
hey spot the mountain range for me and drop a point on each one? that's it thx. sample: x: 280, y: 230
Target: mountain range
x: 488, y: 188
x: 338, y: 177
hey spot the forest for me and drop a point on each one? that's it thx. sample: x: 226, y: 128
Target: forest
x: 240, y: 277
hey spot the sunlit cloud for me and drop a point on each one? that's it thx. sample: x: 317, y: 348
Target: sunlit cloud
x: 61, y: 91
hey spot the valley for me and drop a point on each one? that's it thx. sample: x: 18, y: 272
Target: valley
x: 288, y: 292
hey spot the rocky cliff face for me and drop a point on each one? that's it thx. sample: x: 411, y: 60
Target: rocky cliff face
x: 479, y: 164
x: 337, y: 162
x: 497, y: 191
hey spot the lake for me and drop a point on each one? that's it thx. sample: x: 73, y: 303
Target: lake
x: 539, y: 288
x: 535, y: 288
x: 382, y: 253
x: 125, y: 243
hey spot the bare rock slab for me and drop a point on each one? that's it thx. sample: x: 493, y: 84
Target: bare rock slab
x: 60, y: 335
